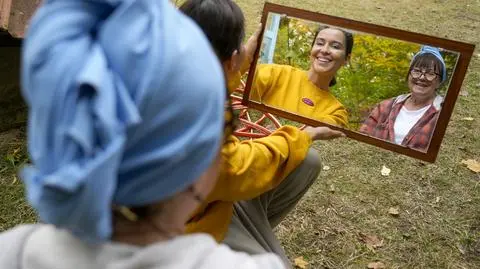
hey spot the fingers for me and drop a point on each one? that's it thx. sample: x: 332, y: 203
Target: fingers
x: 253, y: 40
x: 257, y: 31
x: 323, y: 133
x: 336, y: 134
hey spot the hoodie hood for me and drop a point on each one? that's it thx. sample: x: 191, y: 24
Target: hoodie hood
x: 46, y: 247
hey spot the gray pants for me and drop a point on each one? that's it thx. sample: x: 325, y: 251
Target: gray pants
x: 252, y: 223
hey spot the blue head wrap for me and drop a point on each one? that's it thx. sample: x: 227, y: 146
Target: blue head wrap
x: 126, y: 102
x: 435, y: 52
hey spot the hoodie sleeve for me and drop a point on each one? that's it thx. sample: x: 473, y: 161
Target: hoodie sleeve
x: 253, y: 167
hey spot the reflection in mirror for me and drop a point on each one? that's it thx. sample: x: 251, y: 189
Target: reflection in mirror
x: 383, y: 87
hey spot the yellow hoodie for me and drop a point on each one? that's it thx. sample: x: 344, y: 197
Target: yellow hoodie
x: 288, y: 88
x: 251, y: 168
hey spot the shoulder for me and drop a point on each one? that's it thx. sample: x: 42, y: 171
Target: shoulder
x: 222, y: 256
x: 203, y: 252
x: 277, y: 68
x: 389, y: 103
x: 15, y: 239
x: 438, y: 102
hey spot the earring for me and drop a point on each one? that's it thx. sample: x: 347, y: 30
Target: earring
x: 126, y: 213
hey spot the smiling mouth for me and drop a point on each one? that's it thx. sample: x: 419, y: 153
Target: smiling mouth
x: 323, y: 60
x: 421, y: 84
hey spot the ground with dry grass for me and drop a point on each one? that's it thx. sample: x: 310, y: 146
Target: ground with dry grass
x: 343, y: 222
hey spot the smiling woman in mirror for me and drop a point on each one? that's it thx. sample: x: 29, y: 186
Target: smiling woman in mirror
x: 307, y: 92
x: 410, y: 119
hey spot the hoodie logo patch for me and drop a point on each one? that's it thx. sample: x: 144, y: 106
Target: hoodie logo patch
x: 307, y: 101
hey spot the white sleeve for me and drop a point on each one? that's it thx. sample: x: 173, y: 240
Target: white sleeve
x: 223, y: 257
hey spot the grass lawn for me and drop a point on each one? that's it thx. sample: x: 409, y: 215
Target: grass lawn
x: 438, y: 221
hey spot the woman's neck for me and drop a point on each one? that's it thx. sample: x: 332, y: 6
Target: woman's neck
x: 320, y: 80
x: 144, y: 232
x: 417, y: 102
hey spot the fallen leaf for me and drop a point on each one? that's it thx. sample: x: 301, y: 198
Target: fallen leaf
x: 332, y: 188
x: 464, y: 93
x: 385, y: 171
x: 326, y: 168
x: 472, y: 165
x: 467, y: 119
x: 300, y: 262
x: 372, y: 241
x: 393, y: 211
x: 437, y: 200
x: 376, y: 265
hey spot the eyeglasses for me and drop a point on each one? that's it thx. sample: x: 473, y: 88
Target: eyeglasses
x: 430, y: 76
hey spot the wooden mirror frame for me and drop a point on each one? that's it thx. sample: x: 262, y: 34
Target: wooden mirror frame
x: 464, y: 51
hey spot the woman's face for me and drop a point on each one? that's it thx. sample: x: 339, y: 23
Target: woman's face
x: 328, y: 51
x: 423, y: 82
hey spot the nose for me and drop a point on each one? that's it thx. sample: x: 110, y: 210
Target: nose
x: 325, y: 49
x: 422, y: 76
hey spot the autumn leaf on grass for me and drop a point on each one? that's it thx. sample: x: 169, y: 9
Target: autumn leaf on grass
x: 326, y: 167
x: 385, y: 171
x: 393, y: 211
x: 472, y: 165
x: 372, y: 241
x: 376, y: 265
x: 464, y: 93
x: 332, y: 188
x: 300, y: 262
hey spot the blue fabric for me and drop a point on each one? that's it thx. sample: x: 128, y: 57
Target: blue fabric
x: 435, y: 52
x: 126, y: 105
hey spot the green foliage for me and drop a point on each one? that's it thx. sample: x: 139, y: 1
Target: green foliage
x: 293, y: 43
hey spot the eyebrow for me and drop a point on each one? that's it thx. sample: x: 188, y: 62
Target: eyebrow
x: 425, y: 69
x: 334, y: 41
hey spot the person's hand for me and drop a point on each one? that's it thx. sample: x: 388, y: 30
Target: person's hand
x: 323, y: 133
x: 252, y: 43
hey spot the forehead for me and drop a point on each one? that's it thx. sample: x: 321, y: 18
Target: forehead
x: 426, y: 62
x: 331, y: 35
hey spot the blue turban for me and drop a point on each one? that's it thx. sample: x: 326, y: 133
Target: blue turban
x: 435, y: 52
x: 126, y: 103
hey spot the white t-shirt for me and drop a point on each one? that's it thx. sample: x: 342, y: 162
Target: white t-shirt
x: 405, y: 120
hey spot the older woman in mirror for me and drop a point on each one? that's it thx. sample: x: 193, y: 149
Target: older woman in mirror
x: 410, y: 119
x: 120, y: 157
x: 307, y: 93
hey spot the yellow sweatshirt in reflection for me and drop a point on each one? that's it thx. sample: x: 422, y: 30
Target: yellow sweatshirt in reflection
x: 251, y: 168
x: 288, y: 88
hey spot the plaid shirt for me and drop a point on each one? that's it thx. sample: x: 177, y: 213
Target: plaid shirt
x: 381, y: 121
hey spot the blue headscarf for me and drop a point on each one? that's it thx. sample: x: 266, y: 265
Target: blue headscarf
x: 126, y: 102
x: 435, y: 52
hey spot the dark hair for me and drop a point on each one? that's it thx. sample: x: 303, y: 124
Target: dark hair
x: 426, y: 61
x: 222, y: 21
x: 348, y: 44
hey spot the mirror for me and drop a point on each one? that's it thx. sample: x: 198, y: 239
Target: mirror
x: 380, y: 85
